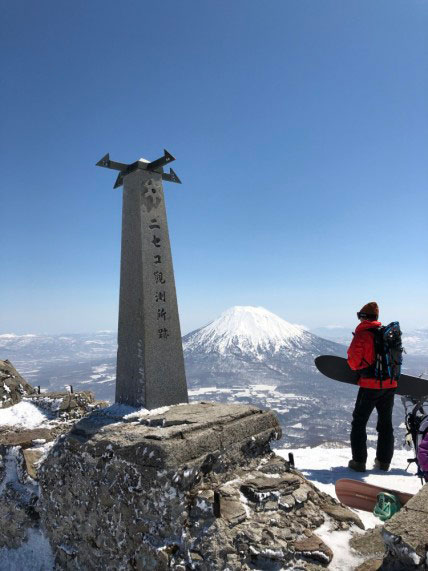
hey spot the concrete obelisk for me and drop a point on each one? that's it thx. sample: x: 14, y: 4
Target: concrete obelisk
x: 150, y: 365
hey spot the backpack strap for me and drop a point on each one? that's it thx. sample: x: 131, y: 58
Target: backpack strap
x: 372, y: 371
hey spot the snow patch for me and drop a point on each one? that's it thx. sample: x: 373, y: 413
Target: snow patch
x: 11, y: 460
x: 33, y: 555
x: 344, y: 557
x: 23, y: 415
x: 142, y: 412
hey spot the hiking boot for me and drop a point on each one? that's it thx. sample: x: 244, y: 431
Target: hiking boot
x: 357, y: 466
x: 378, y: 465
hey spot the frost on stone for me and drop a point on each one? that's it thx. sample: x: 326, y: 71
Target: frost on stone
x: 68, y: 549
x: 400, y: 550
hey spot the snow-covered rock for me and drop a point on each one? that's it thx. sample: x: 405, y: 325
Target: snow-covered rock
x: 27, y: 432
x: 12, y: 386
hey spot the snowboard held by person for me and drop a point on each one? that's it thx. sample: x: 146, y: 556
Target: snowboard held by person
x: 373, y: 393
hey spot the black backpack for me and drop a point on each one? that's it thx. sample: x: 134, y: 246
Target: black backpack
x: 388, y: 352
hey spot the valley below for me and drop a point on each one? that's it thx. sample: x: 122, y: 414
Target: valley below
x: 248, y: 355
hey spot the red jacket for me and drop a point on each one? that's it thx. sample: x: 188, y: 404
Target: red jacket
x: 361, y: 354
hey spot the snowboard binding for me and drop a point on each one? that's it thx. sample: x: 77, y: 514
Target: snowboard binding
x: 386, y: 506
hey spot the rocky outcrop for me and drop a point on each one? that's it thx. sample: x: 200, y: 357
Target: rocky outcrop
x: 406, y: 535
x: 22, y: 451
x: 12, y: 386
x: 401, y: 544
x: 371, y: 547
x: 66, y: 405
x: 18, y: 497
x: 62, y: 410
x: 189, y: 487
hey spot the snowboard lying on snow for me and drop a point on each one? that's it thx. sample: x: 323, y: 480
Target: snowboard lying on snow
x: 337, y: 368
x: 361, y: 496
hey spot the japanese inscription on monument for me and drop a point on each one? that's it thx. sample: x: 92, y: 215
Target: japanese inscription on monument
x: 150, y: 364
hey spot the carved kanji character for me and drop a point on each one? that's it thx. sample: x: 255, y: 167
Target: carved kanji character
x: 159, y: 279
x: 160, y: 296
x: 154, y: 224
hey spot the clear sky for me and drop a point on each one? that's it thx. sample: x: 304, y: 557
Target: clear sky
x: 300, y: 129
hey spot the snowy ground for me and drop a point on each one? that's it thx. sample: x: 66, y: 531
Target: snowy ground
x: 324, y: 466
x: 26, y: 414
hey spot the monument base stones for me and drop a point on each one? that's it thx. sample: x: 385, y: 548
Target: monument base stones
x: 185, y: 487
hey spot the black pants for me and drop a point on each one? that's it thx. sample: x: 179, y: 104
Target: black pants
x: 367, y: 400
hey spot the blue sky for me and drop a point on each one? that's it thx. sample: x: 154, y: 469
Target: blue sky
x: 301, y: 135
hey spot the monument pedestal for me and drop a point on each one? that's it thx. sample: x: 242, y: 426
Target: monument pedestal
x: 187, y: 486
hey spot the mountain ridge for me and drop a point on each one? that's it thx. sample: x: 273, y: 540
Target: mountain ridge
x: 246, y: 328
x: 247, y: 343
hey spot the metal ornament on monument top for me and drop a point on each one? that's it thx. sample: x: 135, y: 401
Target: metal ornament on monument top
x: 150, y: 363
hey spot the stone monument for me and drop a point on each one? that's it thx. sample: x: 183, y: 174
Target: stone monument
x: 150, y: 364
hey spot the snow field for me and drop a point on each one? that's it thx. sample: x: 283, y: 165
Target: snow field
x: 24, y: 415
x: 324, y: 466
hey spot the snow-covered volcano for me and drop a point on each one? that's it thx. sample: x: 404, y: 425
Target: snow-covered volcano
x: 248, y: 344
x: 251, y: 330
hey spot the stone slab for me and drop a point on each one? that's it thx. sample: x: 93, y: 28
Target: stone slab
x: 406, y: 533
x: 31, y: 457
x: 369, y: 544
x: 181, y: 434
x: 25, y: 438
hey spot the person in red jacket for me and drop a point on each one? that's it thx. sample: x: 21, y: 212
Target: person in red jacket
x: 372, y: 394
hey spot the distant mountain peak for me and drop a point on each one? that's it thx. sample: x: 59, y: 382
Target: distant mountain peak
x: 248, y: 329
